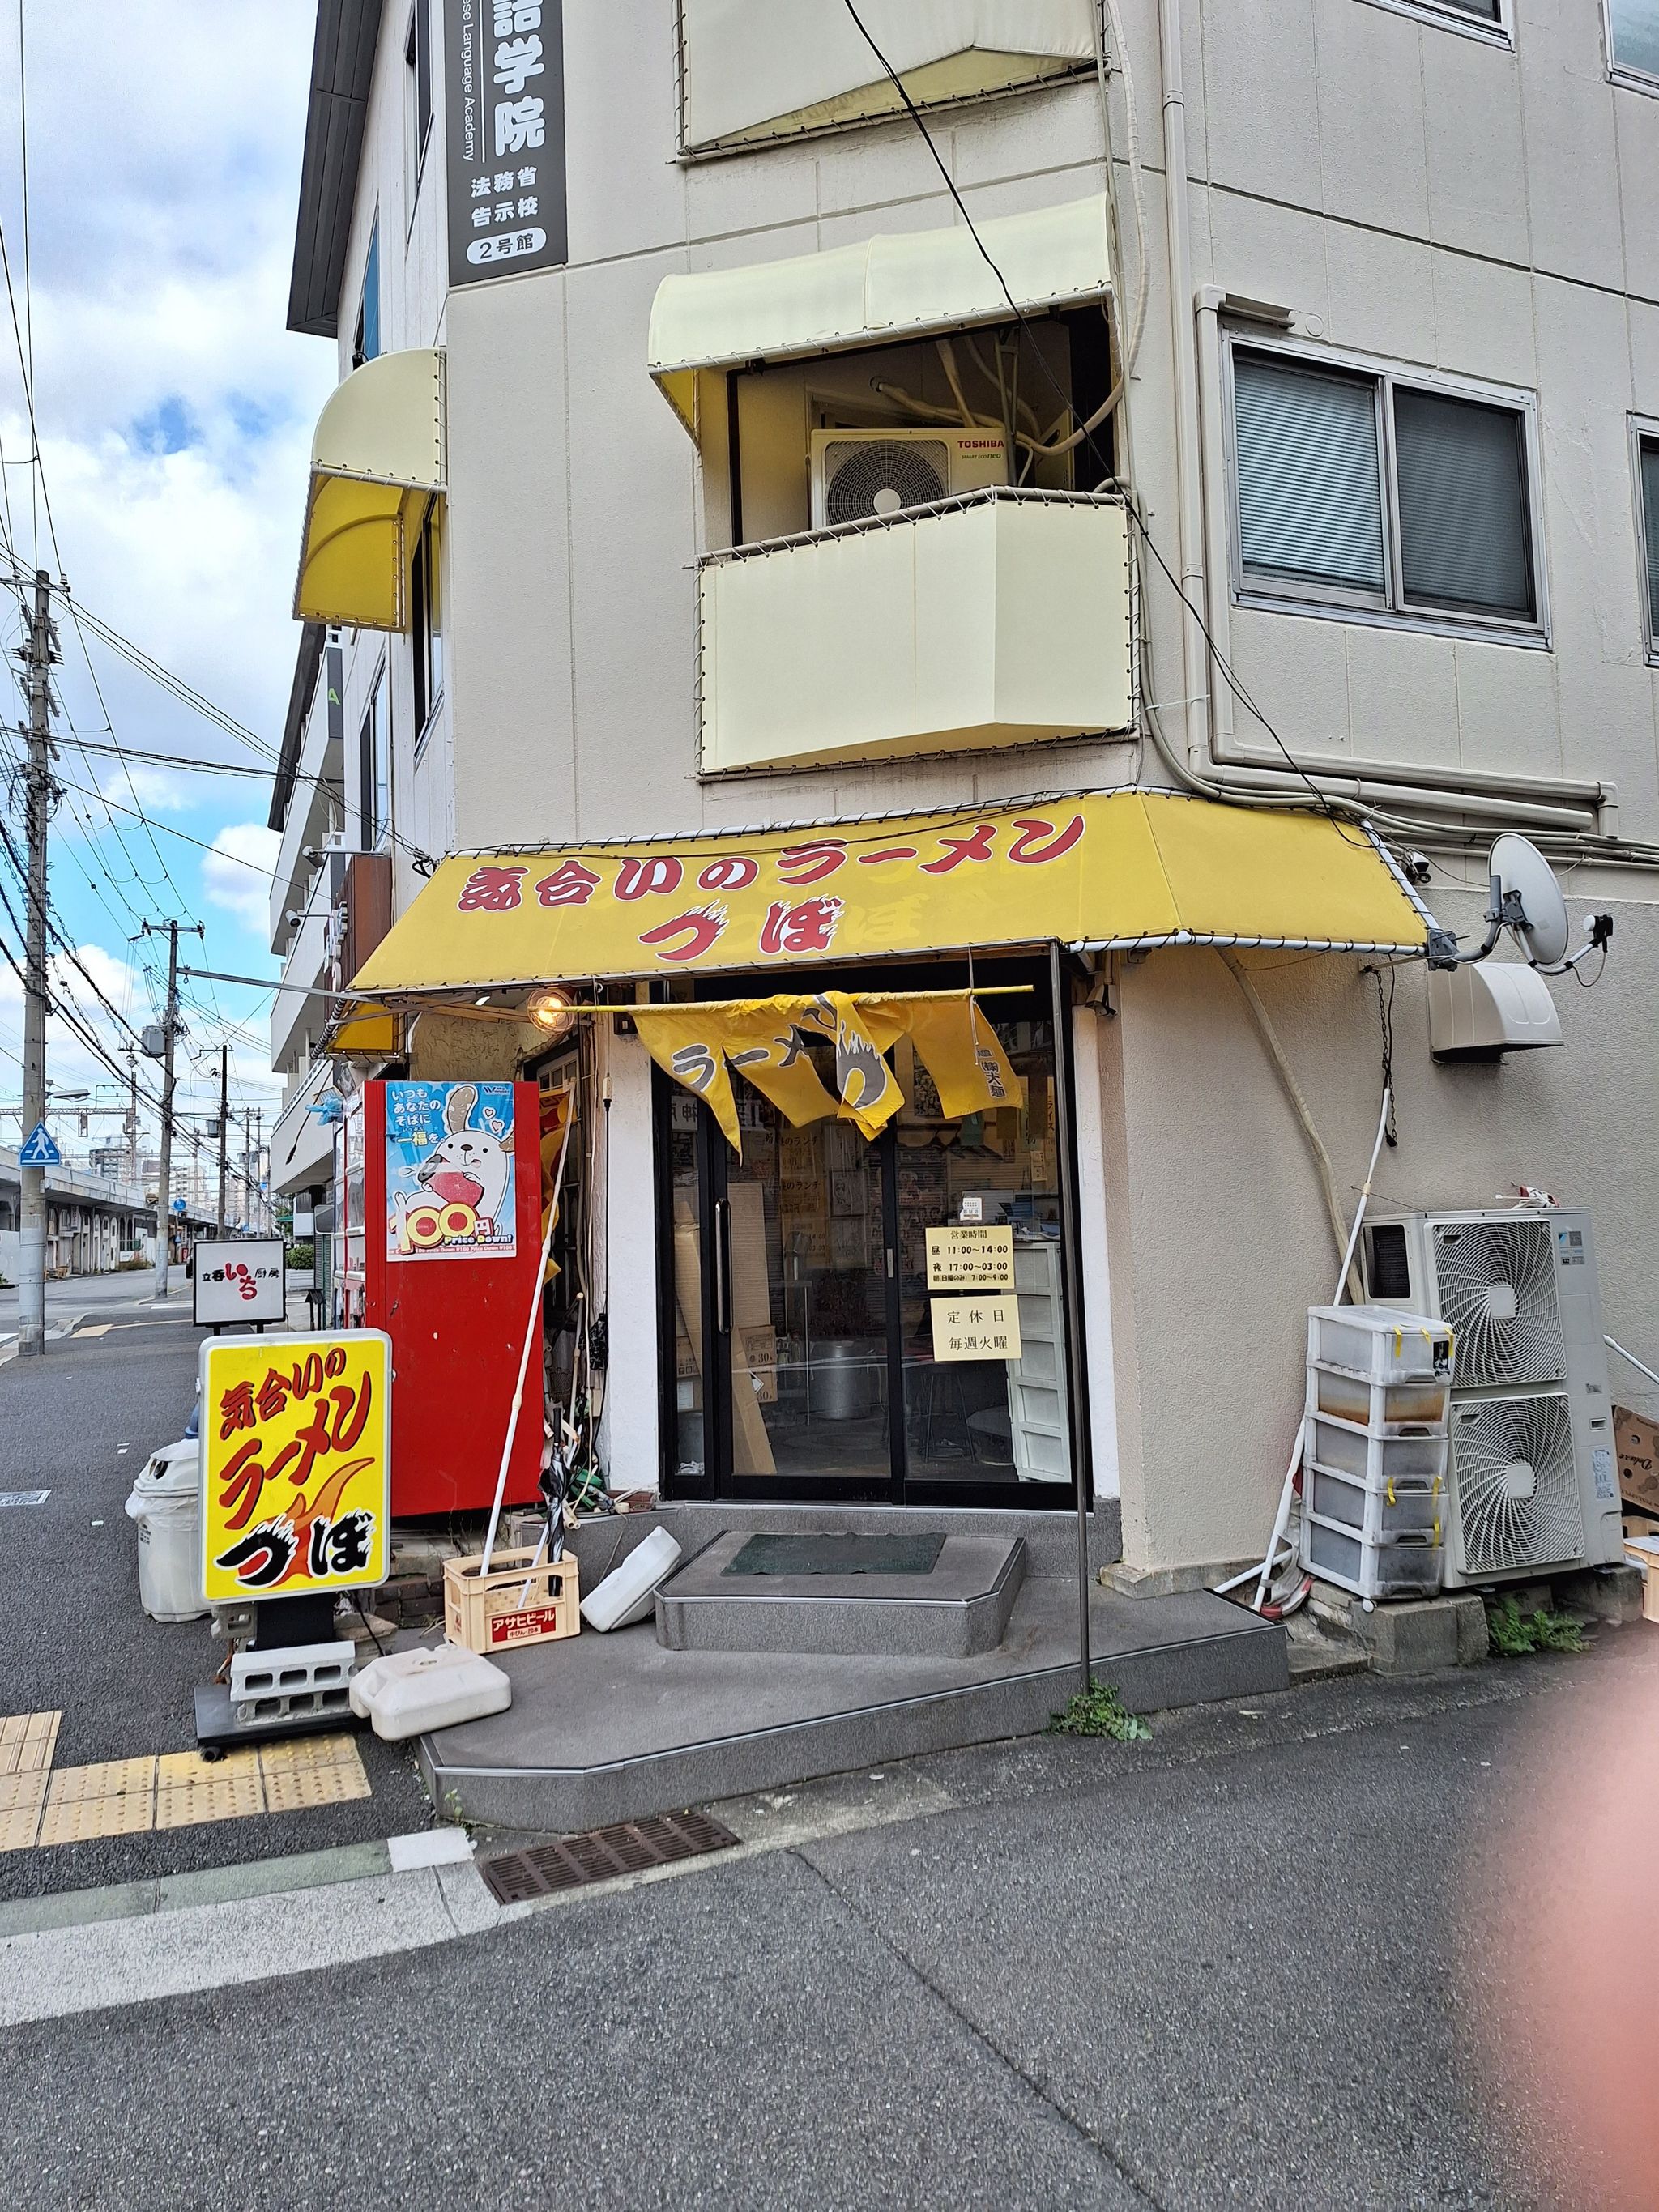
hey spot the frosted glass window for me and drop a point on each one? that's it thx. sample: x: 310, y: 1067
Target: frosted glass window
x: 1309, y: 494
x: 1635, y: 28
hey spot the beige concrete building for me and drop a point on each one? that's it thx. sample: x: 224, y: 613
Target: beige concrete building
x: 694, y: 470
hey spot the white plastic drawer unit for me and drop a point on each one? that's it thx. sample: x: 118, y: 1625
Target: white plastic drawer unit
x: 1385, y: 1409
x: 1037, y: 1406
x: 1403, y: 1568
x: 1377, y: 1461
x: 1381, y: 1343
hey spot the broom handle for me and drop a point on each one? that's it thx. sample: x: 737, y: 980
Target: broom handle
x: 524, y: 1356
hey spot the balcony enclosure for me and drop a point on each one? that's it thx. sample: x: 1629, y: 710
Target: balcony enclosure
x: 998, y: 619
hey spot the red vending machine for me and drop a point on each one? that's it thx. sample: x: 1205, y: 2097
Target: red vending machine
x: 439, y: 1246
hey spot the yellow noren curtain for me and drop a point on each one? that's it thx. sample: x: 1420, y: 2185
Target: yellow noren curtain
x: 764, y: 1039
x: 377, y: 459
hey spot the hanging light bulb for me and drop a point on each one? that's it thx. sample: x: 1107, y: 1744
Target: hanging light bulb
x: 552, y: 1010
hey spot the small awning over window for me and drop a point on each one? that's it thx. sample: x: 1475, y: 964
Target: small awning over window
x: 377, y: 458
x: 898, y: 285
x: 1123, y: 869
x: 754, y: 71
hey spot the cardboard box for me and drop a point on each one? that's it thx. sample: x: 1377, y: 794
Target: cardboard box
x: 1636, y: 1440
x: 757, y: 1351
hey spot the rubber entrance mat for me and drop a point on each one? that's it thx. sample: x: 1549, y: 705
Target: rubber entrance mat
x: 838, y: 1555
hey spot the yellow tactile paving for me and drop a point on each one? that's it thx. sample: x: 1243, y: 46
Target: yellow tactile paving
x: 237, y: 1795
x: 41, y: 1805
x: 18, y: 1830
x: 292, y: 1791
x: 19, y: 1791
x: 74, y: 1820
x: 27, y: 1742
x: 109, y: 1778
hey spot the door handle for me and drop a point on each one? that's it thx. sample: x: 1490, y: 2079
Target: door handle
x: 723, y: 1266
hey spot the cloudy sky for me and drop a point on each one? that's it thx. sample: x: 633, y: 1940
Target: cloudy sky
x: 174, y: 414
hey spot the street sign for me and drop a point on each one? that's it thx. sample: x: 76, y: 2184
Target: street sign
x: 39, y: 1150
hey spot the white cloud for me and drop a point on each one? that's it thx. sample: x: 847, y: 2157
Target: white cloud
x: 236, y: 873
x: 156, y: 790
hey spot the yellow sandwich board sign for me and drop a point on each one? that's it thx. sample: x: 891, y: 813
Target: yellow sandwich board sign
x: 296, y: 1464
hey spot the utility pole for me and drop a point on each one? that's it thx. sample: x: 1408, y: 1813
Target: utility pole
x: 38, y: 657
x: 248, y: 1221
x: 224, y: 1129
x: 130, y: 1126
x: 169, y: 1036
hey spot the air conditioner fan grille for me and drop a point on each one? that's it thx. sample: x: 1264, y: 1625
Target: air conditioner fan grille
x: 1515, y: 1484
x: 883, y: 476
x: 1497, y: 1290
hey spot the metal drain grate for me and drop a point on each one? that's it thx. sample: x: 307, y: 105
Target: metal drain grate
x: 24, y: 1497
x: 602, y: 1853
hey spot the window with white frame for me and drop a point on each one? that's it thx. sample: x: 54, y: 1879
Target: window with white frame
x: 426, y: 625
x: 417, y: 96
x: 1355, y: 488
x: 1491, y: 15
x: 374, y: 768
x: 1633, y: 37
x: 1647, y: 465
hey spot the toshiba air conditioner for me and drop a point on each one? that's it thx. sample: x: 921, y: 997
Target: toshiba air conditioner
x: 860, y: 474
x: 1533, y: 1484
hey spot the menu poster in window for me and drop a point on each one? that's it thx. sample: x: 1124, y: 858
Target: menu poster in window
x: 450, y: 1188
x: 970, y: 1255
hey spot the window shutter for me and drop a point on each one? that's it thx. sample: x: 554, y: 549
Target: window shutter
x: 1650, y: 529
x: 1309, y: 497
x: 1465, y: 536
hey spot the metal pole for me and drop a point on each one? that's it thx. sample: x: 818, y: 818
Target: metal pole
x: 1071, y: 1276
x: 131, y: 1124
x: 164, y: 1177
x: 224, y: 1130
x: 248, y: 1221
x: 32, y: 1242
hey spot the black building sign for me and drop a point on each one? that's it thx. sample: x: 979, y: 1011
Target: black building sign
x: 504, y: 99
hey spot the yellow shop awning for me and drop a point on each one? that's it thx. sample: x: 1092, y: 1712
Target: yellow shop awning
x: 377, y: 458
x: 898, y: 285
x: 1121, y: 869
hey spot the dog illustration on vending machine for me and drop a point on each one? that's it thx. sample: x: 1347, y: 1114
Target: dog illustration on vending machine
x: 469, y: 1166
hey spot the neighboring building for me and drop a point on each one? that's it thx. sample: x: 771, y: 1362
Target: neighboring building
x: 1392, y: 424
x: 93, y: 1222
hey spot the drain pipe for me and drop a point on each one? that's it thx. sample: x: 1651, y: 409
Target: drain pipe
x: 1189, y: 503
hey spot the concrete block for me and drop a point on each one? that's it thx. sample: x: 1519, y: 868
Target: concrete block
x: 1611, y: 1594
x: 1423, y: 1635
x: 1169, y: 1582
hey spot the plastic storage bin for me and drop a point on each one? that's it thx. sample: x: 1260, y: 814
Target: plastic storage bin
x: 1386, y: 1409
x: 165, y: 1504
x: 1408, y: 1508
x: 1381, y: 1343
x: 1346, y: 1449
x: 1400, y: 1568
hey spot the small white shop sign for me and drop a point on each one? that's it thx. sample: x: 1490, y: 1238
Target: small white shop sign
x: 979, y: 1326
x: 242, y: 1281
x: 968, y: 1255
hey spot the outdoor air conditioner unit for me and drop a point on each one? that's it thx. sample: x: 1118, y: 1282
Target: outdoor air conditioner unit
x: 1534, y: 1485
x: 859, y: 474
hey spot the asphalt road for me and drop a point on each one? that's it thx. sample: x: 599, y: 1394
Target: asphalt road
x: 1248, y: 1963
x: 80, y: 1422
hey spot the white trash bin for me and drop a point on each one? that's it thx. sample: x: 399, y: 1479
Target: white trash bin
x: 165, y: 1506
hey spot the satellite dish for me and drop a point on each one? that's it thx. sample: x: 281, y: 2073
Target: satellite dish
x: 1527, y: 900
x: 1528, y: 897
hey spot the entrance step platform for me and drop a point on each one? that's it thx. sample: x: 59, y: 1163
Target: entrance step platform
x: 1049, y: 1535
x: 958, y: 1609
x: 610, y: 1727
